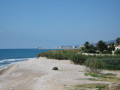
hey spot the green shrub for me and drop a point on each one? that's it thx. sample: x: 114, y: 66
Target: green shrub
x: 91, y: 74
x: 117, y: 51
x: 65, y: 54
x: 58, y: 54
x: 111, y: 63
x: 107, y: 52
x: 78, y: 59
x: 94, y: 64
x: 90, y: 50
x: 91, y: 87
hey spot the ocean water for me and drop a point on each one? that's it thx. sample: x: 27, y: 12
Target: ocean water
x: 11, y: 56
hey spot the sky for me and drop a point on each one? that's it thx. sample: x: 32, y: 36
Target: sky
x: 51, y: 23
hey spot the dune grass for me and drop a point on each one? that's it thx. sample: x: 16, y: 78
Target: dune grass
x: 90, y: 87
x: 97, y: 77
x: 103, y: 77
x: 75, y: 55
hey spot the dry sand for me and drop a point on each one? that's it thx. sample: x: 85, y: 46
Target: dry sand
x: 37, y: 74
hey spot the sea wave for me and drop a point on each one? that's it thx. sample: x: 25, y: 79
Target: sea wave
x: 6, y: 62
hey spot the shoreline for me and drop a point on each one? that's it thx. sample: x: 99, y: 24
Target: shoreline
x: 37, y: 74
x: 7, y: 65
x: 2, y: 70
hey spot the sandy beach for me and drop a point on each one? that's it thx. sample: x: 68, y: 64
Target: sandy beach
x: 37, y: 74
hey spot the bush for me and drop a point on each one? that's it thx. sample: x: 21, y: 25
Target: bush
x: 117, y: 51
x: 59, y: 54
x: 78, y: 59
x: 91, y: 74
x: 90, y: 51
x: 55, y: 68
x: 107, y: 52
x: 111, y: 63
x: 64, y: 55
x: 95, y: 65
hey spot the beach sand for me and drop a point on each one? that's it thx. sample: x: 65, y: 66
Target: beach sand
x: 37, y: 74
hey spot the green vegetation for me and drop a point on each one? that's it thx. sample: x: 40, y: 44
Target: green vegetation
x: 78, y: 58
x: 92, y: 79
x: 89, y: 48
x: 103, y: 77
x: 60, y: 54
x: 101, y: 45
x: 99, y: 63
x: 87, y: 45
x: 117, y: 52
x: 90, y: 86
x: 65, y: 55
x: 118, y: 41
x: 108, y: 75
x: 111, y: 63
x: 95, y: 65
x: 95, y: 62
x: 91, y: 74
x: 111, y: 47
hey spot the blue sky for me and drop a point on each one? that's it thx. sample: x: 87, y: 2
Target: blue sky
x: 50, y: 23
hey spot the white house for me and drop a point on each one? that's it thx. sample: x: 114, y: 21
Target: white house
x: 117, y: 47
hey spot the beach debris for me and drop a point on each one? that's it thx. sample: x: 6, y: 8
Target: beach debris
x: 55, y: 68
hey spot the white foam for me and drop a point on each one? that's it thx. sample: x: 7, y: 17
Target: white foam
x: 4, y: 60
x: 12, y: 61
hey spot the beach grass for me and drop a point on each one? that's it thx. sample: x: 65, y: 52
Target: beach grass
x: 103, y: 77
x: 90, y: 87
x: 111, y: 62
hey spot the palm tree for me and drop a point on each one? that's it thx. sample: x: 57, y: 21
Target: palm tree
x: 87, y: 45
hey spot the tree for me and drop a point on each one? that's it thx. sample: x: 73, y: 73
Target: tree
x: 91, y: 46
x: 101, y: 45
x: 87, y: 44
x: 118, y: 41
x: 111, y: 47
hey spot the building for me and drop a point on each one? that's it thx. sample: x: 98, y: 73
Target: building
x: 117, y: 47
x: 69, y: 47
